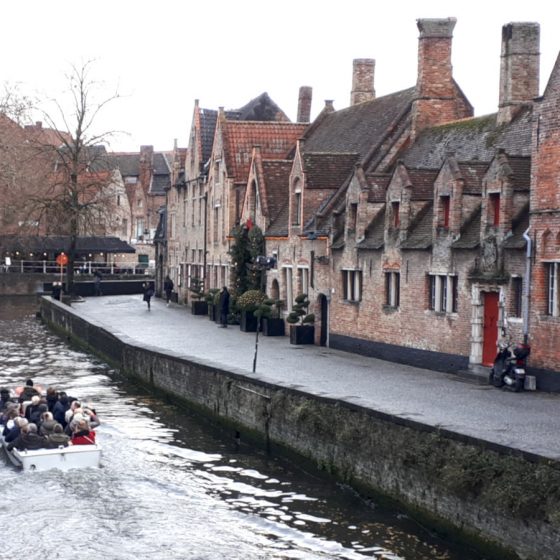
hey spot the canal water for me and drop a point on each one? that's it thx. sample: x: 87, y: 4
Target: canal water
x: 173, y: 487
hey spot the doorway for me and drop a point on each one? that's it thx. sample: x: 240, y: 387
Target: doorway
x: 490, y: 327
x: 324, y: 305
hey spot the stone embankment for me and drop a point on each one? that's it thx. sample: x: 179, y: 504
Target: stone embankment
x: 502, y: 499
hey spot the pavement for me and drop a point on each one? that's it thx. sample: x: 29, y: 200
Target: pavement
x: 528, y: 421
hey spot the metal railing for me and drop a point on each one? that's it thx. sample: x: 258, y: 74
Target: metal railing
x: 81, y: 267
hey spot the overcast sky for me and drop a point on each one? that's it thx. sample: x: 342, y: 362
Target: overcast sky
x: 163, y: 55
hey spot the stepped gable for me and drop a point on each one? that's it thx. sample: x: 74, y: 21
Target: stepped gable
x: 470, y: 232
x: 357, y: 129
x: 421, y: 230
x: 472, y: 174
x: 327, y: 170
x: 374, y: 236
x: 470, y: 140
x: 275, y: 140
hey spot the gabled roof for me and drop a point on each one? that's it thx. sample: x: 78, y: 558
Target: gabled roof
x: 420, y: 230
x: 276, y: 174
x: 422, y: 183
x: 374, y: 236
x: 519, y: 226
x: 358, y: 128
x: 470, y: 232
x: 377, y: 187
x: 521, y: 167
x: 473, y: 173
x: 279, y: 225
x: 470, y: 140
x: 275, y: 140
x: 327, y: 170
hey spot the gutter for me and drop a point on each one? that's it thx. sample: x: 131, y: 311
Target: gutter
x: 526, y: 288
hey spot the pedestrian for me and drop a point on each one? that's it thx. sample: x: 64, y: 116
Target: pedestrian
x: 168, y: 288
x: 224, y: 307
x: 56, y: 290
x: 98, y: 278
x: 148, y: 293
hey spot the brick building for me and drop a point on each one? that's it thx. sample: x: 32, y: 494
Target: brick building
x: 421, y: 233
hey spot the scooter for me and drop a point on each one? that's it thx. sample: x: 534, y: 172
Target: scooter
x: 508, y: 370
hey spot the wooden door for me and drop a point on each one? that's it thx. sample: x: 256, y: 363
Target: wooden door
x: 490, y: 327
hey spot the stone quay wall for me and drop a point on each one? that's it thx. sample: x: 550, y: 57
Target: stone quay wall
x: 505, y: 502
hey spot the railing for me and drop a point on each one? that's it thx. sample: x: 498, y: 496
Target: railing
x: 82, y: 267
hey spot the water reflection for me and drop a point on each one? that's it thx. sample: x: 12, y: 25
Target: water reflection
x: 172, y: 486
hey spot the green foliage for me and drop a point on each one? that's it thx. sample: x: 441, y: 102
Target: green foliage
x: 246, y: 246
x: 299, y: 314
x: 250, y: 300
x: 197, y: 288
x: 212, y: 296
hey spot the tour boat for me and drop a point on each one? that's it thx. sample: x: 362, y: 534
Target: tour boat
x: 63, y: 458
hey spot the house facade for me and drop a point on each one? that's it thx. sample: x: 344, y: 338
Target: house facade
x: 421, y: 234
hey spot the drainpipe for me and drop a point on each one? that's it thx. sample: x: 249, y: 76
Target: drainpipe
x: 526, y: 288
x: 204, y: 256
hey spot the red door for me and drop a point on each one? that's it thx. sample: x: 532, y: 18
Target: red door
x: 490, y: 327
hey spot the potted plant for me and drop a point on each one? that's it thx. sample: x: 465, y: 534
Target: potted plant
x: 272, y: 322
x: 247, y: 303
x: 302, y: 329
x: 198, y: 306
x: 210, y: 298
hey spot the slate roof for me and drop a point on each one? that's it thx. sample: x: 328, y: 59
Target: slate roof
x: 377, y: 187
x: 422, y: 183
x: 276, y: 177
x: 519, y: 226
x: 327, y: 170
x: 358, y: 128
x: 128, y: 163
x: 420, y: 230
x: 275, y: 140
x: 279, y: 225
x: 521, y: 167
x: 375, y: 232
x: 470, y: 232
x: 473, y: 173
x: 470, y: 140
x: 59, y: 243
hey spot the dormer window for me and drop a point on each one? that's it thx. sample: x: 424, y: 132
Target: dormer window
x: 297, y: 205
x: 494, y: 209
x: 353, y: 217
x: 445, y: 205
x: 395, y: 209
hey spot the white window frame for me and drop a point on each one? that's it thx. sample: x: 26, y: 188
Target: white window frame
x: 393, y: 296
x: 352, y: 284
x: 442, y: 294
x: 288, y: 282
x: 303, y: 277
x: 552, y: 307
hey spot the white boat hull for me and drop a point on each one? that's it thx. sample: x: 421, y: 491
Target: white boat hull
x: 63, y: 458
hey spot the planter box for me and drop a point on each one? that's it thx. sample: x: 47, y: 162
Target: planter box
x: 213, y: 312
x: 248, y: 322
x: 302, y: 334
x: 199, y: 308
x: 273, y: 327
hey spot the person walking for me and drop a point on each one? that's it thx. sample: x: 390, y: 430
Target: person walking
x: 98, y: 282
x: 224, y: 307
x: 148, y: 293
x: 168, y: 288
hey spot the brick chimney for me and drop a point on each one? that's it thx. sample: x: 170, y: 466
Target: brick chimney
x: 304, y: 104
x: 519, y: 68
x: 438, y: 99
x: 146, y: 166
x: 363, y: 71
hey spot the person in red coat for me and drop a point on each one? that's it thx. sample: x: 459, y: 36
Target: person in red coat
x: 83, y: 435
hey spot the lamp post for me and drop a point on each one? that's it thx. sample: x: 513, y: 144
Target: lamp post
x: 262, y: 264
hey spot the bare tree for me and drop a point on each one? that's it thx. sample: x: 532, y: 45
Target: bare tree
x: 77, y: 199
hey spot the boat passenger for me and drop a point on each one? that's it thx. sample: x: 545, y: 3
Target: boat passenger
x: 57, y: 438
x: 30, y: 406
x: 60, y: 408
x: 47, y: 424
x: 91, y: 416
x: 28, y: 439
x: 36, y: 414
x: 83, y: 435
x: 8, y: 420
x: 5, y: 398
x: 7, y: 413
x: 52, y: 398
x: 15, y: 431
x: 28, y: 391
x: 74, y: 405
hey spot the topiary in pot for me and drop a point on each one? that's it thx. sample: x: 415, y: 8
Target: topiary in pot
x: 198, y: 307
x: 302, y: 329
x: 272, y: 322
x: 248, y: 302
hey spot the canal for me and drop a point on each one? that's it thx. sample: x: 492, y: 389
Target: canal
x: 172, y: 486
